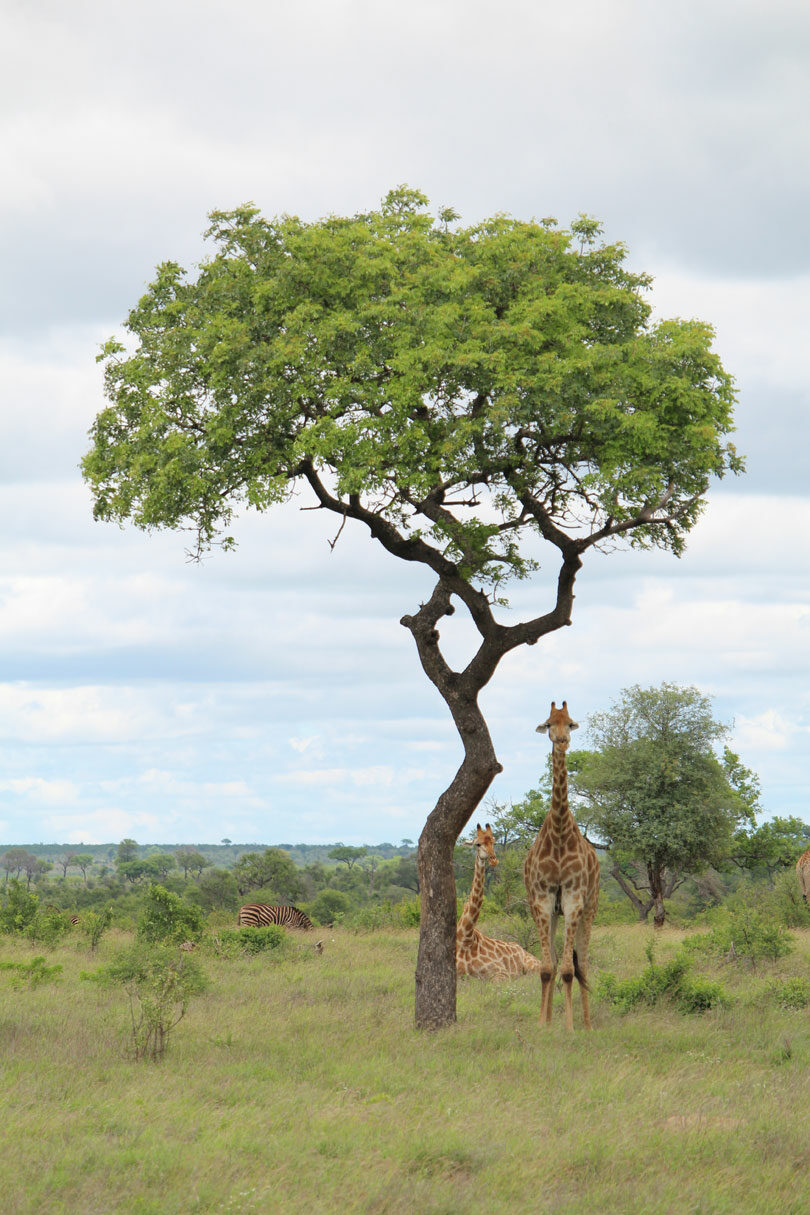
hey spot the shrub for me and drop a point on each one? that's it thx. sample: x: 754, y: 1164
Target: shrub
x: 790, y: 993
x: 741, y: 931
x: 786, y: 900
x: 19, y: 909
x: 160, y: 984
x: 250, y: 940
x: 94, y: 924
x: 166, y: 917
x: 409, y: 912
x: 655, y: 983
x: 31, y: 974
x: 48, y: 926
x: 330, y: 905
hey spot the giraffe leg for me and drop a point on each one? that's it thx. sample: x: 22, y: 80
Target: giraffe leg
x: 543, y: 911
x: 572, y: 910
x: 583, y: 943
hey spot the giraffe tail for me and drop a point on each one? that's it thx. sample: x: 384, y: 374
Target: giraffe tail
x: 578, y: 973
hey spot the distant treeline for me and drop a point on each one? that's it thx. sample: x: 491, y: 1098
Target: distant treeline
x: 223, y: 855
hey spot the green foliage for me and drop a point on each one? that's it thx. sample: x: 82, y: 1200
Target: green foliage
x: 248, y: 939
x: 772, y: 846
x: 160, y: 984
x: 19, y: 909
x: 742, y: 931
x: 409, y: 912
x: 95, y: 923
x: 417, y: 365
x: 31, y: 974
x: 655, y: 791
x: 126, y: 851
x: 49, y: 925
x: 329, y: 906
x: 347, y: 854
x: 273, y: 869
x: 790, y: 993
x: 216, y: 890
x: 167, y: 917
x: 670, y: 981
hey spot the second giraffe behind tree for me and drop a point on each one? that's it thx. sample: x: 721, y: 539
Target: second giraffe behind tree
x: 562, y: 875
x: 477, y: 954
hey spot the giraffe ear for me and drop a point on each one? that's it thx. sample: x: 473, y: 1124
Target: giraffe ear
x: 543, y: 727
x: 573, y: 725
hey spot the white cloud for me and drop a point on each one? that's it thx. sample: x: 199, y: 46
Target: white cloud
x: 38, y: 789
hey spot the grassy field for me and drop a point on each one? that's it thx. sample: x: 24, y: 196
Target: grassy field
x: 299, y: 1085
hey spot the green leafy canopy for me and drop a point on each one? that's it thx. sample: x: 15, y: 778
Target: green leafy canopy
x: 458, y: 384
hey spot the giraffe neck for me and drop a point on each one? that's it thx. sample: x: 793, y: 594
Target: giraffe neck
x: 472, y: 908
x: 559, y: 813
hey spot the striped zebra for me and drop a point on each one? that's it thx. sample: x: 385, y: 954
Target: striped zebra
x: 256, y: 915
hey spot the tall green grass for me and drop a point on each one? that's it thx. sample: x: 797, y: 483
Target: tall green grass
x: 297, y: 1084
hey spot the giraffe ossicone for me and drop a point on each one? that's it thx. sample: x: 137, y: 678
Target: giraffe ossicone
x: 561, y: 873
x: 477, y: 954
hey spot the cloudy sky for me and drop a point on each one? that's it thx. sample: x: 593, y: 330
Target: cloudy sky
x: 270, y: 695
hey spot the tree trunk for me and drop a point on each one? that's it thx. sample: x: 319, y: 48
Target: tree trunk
x: 642, y: 907
x: 435, y: 1004
x: 656, y: 877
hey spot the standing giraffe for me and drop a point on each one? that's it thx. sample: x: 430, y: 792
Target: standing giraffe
x: 803, y: 871
x: 475, y: 953
x: 562, y: 875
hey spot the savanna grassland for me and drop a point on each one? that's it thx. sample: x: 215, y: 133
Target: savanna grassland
x: 297, y: 1084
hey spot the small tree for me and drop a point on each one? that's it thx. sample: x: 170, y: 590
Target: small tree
x: 20, y: 908
x: 770, y: 848
x: 167, y: 917
x: 126, y: 851
x: 273, y: 868
x: 468, y: 395
x: 190, y: 859
x: 656, y: 794
x: 65, y: 861
x: 216, y: 890
x: 160, y: 983
x: 347, y: 855
x: 95, y: 924
x: 13, y: 861
x: 83, y: 861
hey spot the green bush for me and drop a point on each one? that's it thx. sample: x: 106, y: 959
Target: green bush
x: 94, y: 924
x: 330, y: 906
x: 790, y: 993
x: 31, y: 974
x: 655, y: 983
x: 409, y: 912
x: 250, y: 940
x: 19, y: 908
x: 787, y: 902
x: 160, y: 982
x: 166, y: 917
x: 48, y: 926
x: 742, y: 931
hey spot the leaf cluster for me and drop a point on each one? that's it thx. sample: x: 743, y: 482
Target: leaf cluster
x: 463, y: 385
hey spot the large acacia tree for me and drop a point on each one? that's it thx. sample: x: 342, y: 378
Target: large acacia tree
x: 472, y: 396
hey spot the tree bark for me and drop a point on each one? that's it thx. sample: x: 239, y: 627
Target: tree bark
x: 435, y: 1004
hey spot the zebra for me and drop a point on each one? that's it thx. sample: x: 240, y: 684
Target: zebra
x: 258, y: 914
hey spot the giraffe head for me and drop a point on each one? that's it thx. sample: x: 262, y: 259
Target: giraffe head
x: 559, y: 725
x: 484, y: 844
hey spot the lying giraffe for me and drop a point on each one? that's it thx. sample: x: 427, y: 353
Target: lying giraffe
x: 803, y: 872
x: 477, y: 954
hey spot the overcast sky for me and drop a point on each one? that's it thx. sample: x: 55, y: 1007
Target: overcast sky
x: 270, y: 695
